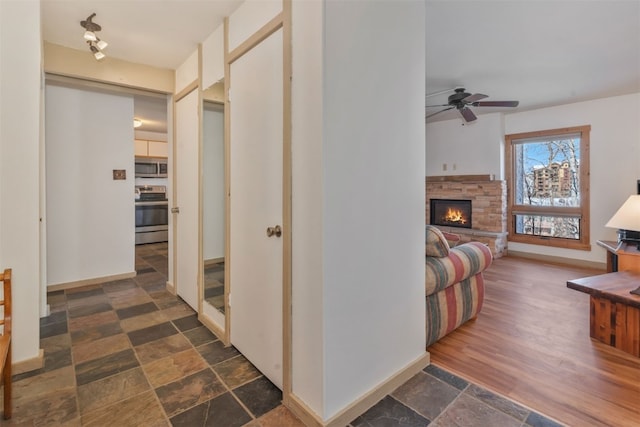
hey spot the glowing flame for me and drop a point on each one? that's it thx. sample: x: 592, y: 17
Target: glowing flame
x: 455, y: 215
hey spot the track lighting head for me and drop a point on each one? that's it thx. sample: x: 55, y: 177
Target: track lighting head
x: 96, y: 52
x: 101, y: 44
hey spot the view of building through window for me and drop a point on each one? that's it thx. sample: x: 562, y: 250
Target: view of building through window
x: 547, y: 178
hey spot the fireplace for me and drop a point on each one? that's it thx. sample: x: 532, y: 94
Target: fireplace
x: 450, y: 213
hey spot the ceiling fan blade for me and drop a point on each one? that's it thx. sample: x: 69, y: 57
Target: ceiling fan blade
x: 467, y: 114
x: 495, y: 104
x: 473, y: 98
x: 439, y: 93
x: 438, y: 105
x: 437, y: 112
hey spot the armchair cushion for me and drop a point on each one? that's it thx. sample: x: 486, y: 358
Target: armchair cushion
x: 462, y: 262
x: 436, y: 244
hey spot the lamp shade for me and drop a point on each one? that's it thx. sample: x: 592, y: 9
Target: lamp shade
x: 628, y: 216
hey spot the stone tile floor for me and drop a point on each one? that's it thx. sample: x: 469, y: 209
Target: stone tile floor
x: 129, y: 353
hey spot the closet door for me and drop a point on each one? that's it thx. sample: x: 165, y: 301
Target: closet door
x: 256, y: 115
x: 186, y: 200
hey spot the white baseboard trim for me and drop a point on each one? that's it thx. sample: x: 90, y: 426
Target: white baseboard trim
x: 28, y: 364
x: 361, y: 405
x: 94, y: 281
x: 171, y: 288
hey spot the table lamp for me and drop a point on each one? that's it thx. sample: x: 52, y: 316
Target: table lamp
x: 628, y: 217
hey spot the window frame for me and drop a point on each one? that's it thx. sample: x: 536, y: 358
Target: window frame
x: 583, y: 211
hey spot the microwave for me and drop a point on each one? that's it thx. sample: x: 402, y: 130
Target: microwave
x: 150, y: 168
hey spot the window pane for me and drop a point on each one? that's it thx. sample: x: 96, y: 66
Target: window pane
x: 547, y: 172
x: 548, y: 226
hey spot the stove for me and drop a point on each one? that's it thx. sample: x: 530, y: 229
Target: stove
x: 152, y: 214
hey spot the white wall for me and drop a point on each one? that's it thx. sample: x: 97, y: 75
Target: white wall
x: 213, y: 207
x: 373, y: 178
x: 213, y: 58
x: 474, y: 148
x: 615, y: 159
x: 20, y: 97
x: 187, y: 72
x: 307, y: 207
x: 249, y: 18
x: 90, y: 217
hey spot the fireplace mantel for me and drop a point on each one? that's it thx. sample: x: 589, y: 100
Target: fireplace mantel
x: 489, y: 207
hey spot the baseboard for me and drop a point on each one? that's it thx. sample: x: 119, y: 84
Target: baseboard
x: 558, y: 260
x: 363, y: 404
x: 86, y: 282
x: 171, y: 288
x: 215, y: 329
x: 28, y: 364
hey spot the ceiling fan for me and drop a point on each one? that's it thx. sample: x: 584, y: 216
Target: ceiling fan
x: 462, y: 100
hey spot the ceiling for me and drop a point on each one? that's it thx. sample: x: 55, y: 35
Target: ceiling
x: 541, y: 53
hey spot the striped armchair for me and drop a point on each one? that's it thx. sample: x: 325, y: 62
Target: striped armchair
x: 454, y: 285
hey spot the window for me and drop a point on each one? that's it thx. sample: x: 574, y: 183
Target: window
x: 548, y: 187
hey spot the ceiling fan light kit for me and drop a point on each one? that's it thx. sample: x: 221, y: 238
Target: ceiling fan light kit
x: 462, y: 100
x: 96, y: 46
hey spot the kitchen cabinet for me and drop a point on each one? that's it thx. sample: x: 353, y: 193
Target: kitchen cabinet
x: 145, y: 148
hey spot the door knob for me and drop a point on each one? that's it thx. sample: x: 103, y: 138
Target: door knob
x: 277, y: 230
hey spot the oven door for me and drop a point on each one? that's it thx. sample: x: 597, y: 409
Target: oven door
x: 152, y: 216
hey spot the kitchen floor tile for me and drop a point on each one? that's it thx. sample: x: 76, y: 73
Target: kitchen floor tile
x: 259, y: 396
x: 152, y: 333
x: 96, y: 369
x: 189, y: 391
x: 223, y: 410
x: 106, y: 391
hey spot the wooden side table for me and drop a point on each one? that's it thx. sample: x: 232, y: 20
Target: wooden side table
x: 614, y: 312
x: 621, y: 256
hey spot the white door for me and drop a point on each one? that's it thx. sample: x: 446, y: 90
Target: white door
x: 256, y: 204
x: 186, y: 200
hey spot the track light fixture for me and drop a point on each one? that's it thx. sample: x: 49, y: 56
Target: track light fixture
x: 95, y: 44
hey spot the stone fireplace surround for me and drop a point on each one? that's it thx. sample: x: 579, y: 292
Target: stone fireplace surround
x: 488, y: 203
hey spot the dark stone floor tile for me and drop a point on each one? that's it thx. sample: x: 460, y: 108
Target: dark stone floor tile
x: 105, y: 366
x: 200, y: 335
x: 390, y: 413
x: 470, y: 412
x: 152, y: 333
x: 259, y: 396
x: 55, y: 408
x: 447, y: 377
x: 216, y: 352
x: 140, y: 410
x: 187, y: 323
x: 60, y: 316
x: 73, y: 294
x: 95, y: 333
x: 536, y: 420
x: 145, y: 270
x: 236, y: 371
x: 178, y: 396
x: 53, y: 329
x: 498, y: 402
x: 426, y: 394
x: 57, y: 359
x: 86, y: 310
x: 223, y: 410
x: 136, y: 310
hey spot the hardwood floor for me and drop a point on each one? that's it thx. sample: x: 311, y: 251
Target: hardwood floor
x: 531, y: 344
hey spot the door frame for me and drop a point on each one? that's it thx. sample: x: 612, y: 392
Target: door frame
x: 280, y: 21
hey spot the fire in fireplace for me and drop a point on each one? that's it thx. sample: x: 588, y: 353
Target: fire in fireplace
x: 450, y: 213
